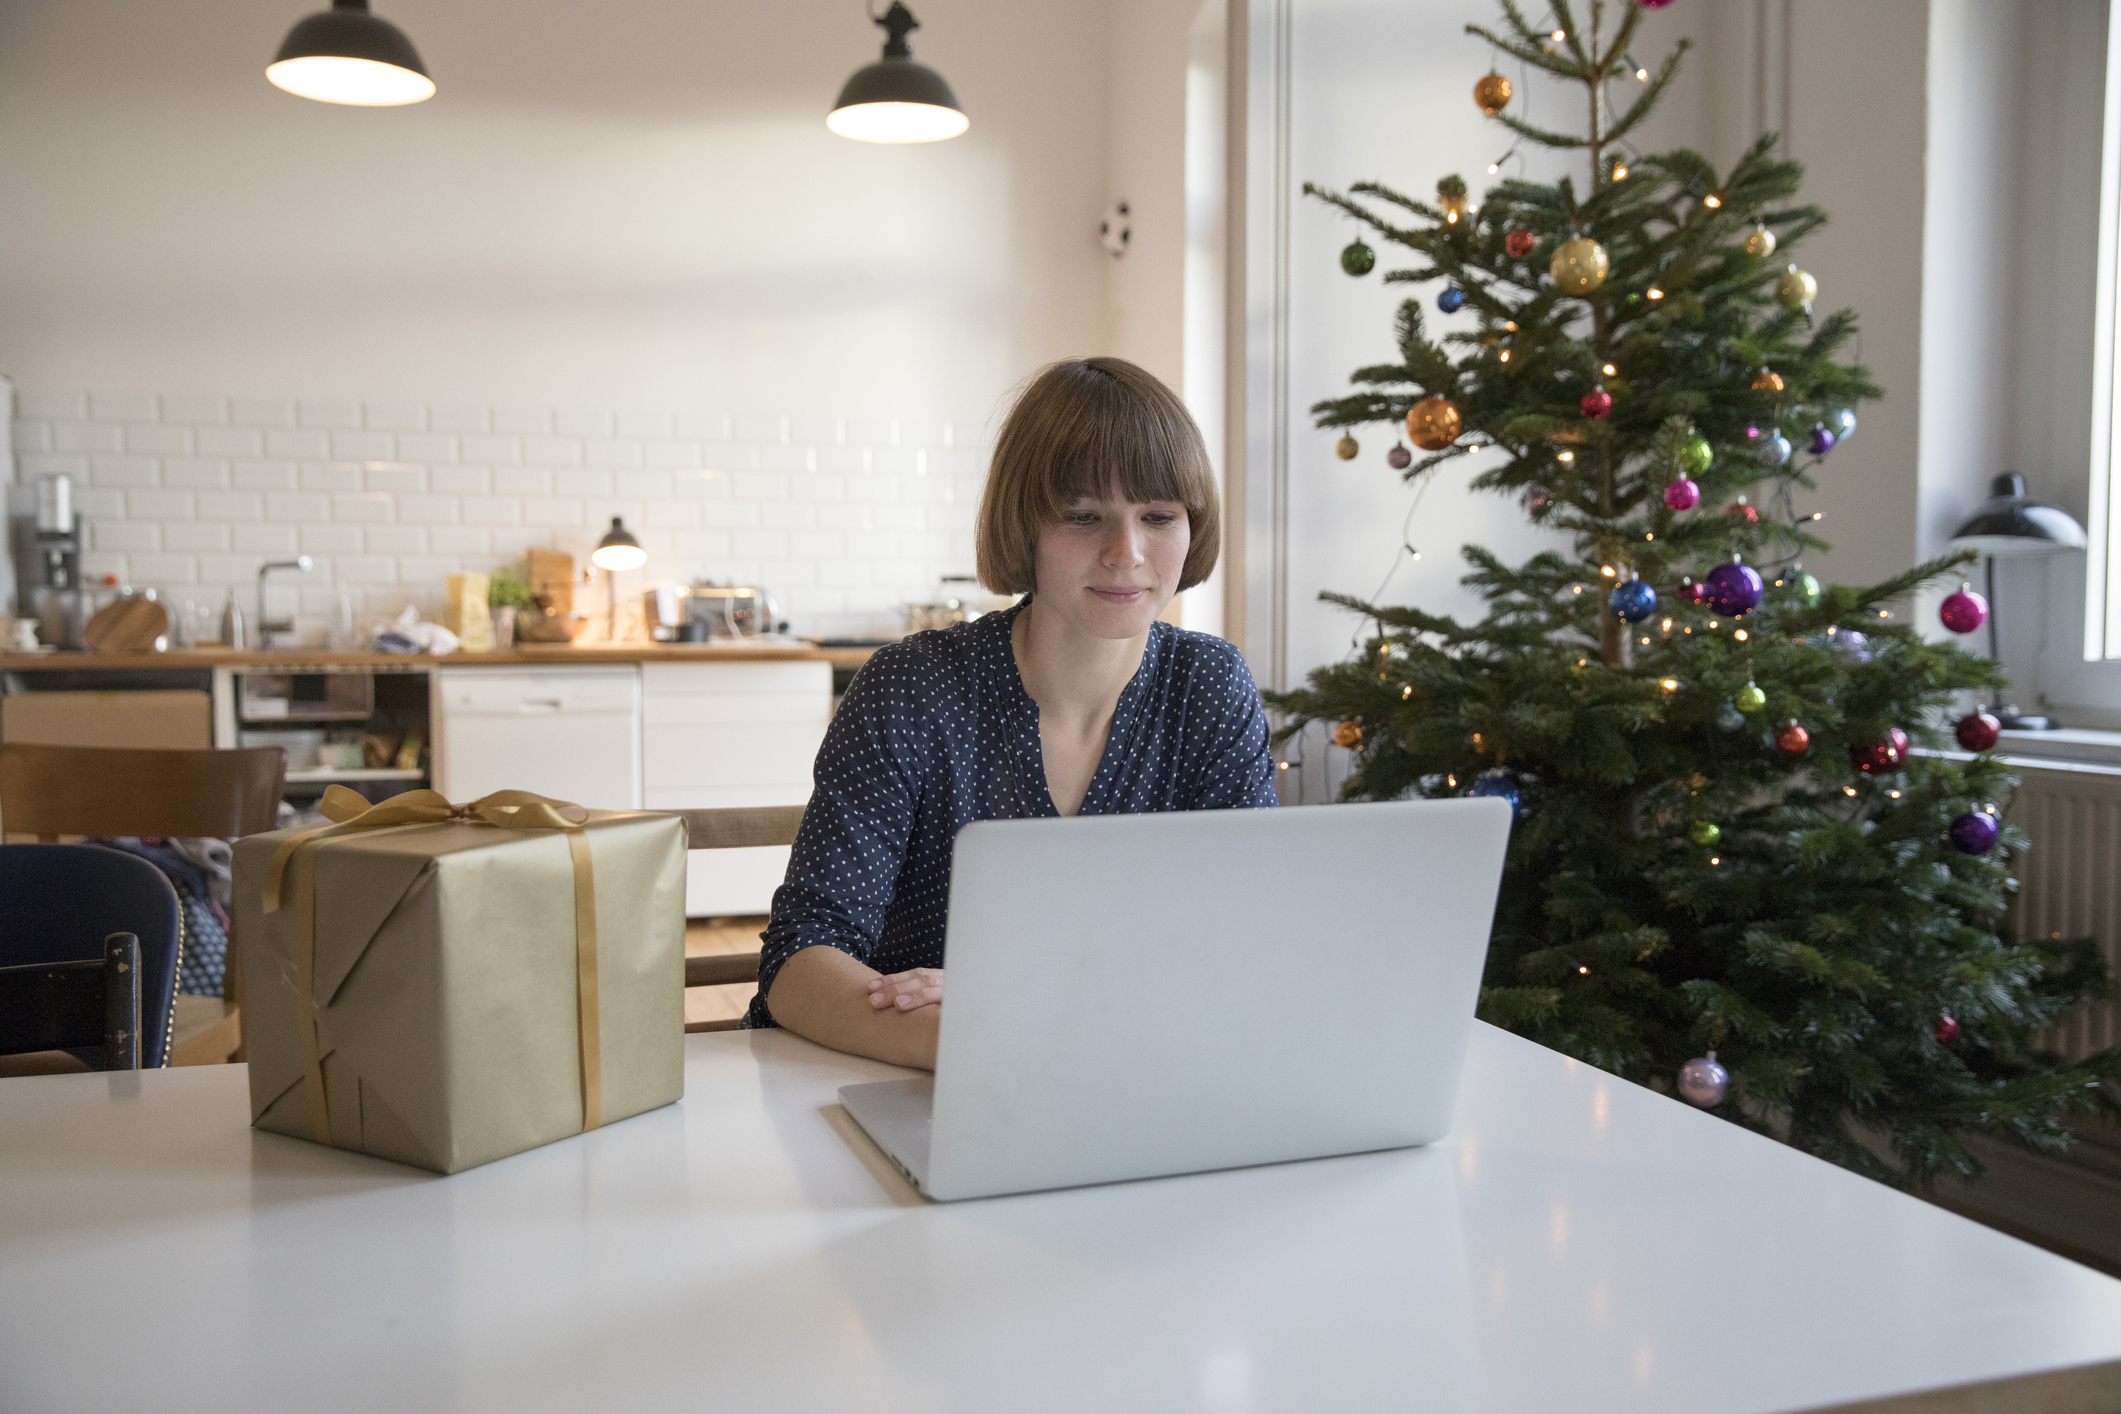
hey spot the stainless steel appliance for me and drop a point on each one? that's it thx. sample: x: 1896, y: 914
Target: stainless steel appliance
x: 44, y: 537
x: 731, y: 610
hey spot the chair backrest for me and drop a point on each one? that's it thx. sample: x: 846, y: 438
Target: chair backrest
x: 108, y: 790
x: 53, y: 1006
x: 734, y: 828
x: 58, y: 902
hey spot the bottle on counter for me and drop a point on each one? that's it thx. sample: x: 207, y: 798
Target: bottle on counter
x: 341, y: 635
x: 232, y: 622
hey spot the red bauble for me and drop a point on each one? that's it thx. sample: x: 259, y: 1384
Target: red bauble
x: 1597, y: 403
x: 1740, y: 508
x: 1963, y: 612
x: 1877, y: 758
x: 1946, y: 1031
x: 1977, y: 731
x: 1791, y: 737
x: 1519, y: 244
x: 1692, y: 591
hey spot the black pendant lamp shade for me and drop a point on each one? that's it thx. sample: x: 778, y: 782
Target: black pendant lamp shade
x: 2011, y: 523
x: 618, y: 550
x: 895, y: 99
x: 346, y: 55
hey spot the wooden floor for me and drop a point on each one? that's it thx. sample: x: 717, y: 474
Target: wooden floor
x: 712, y: 935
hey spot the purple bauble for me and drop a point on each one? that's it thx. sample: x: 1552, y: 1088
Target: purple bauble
x: 1822, y: 440
x: 1975, y: 832
x: 1732, y: 589
x: 1854, y: 643
x: 1682, y: 495
x: 1703, y: 1082
x: 1964, y: 611
x: 1399, y: 458
x: 1752, y: 433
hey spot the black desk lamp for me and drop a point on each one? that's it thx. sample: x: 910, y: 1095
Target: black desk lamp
x: 2011, y: 524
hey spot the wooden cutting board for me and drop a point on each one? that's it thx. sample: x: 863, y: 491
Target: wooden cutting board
x: 128, y: 626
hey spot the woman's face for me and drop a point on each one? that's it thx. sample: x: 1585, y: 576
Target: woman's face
x: 1110, y: 566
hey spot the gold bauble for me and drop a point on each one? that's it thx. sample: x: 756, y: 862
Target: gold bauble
x: 1796, y: 289
x: 1579, y: 266
x: 1348, y: 734
x: 1433, y: 424
x: 1767, y: 380
x: 1492, y: 94
x: 1346, y: 448
x: 1760, y: 243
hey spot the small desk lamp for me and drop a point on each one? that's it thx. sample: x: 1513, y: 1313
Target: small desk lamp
x: 2013, y: 525
x: 618, y: 550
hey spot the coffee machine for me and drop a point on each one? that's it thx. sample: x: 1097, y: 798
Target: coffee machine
x: 44, y: 539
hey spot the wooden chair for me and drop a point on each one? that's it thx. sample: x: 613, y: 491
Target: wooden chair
x: 734, y: 829
x: 49, y: 791
x: 56, y: 1006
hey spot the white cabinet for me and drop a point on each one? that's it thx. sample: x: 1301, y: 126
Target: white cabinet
x: 728, y: 734
x: 572, y: 733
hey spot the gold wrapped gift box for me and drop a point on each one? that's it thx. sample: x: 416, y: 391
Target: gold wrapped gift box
x: 435, y: 984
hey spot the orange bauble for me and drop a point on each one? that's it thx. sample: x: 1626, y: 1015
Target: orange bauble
x: 1767, y: 380
x: 1492, y: 94
x: 1433, y: 424
x: 1348, y: 734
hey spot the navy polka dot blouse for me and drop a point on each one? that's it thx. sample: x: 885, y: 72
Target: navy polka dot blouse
x: 937, y: 731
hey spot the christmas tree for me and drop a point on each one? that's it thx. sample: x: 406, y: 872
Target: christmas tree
x: 1731, y: 872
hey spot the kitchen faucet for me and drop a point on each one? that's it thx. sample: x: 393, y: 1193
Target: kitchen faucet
x: 268, y: 627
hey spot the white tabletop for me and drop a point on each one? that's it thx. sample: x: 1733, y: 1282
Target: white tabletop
x: 1578, y: 1244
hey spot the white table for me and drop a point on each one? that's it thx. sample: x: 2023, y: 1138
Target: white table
x: 1578, y: 1245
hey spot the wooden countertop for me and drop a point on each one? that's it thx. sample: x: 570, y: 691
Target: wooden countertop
x: 540, y: 655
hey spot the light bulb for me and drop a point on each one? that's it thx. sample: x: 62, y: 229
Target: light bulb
x: 1670, y: 684
x: 1620, y: 171
x: 897, y: 122
x: 1656, y: 293
x: 1505, y: 356
x: 1642, y: 75
x: 1610, y: 370
x: 1560, y: 35
x: 1740, y: 635
x: 363, y: 83
x: 1712, y: 201
x: 1566, y: 457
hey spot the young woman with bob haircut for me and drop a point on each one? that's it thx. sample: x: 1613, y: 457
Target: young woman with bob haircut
x: 1100, y: 506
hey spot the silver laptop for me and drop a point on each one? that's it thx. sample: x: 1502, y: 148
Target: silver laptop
x: 1130, y: 996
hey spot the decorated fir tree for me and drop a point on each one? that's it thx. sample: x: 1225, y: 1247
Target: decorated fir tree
x: 1730, y: 874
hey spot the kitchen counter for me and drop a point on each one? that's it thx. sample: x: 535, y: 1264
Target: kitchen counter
x: 536, y: 655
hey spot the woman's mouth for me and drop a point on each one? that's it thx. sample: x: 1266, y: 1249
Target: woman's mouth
x: 1121, y: 595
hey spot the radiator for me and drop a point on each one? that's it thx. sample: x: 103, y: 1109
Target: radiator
x: 2069, y: 881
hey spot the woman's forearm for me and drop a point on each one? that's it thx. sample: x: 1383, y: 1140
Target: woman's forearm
x: 822, y: 994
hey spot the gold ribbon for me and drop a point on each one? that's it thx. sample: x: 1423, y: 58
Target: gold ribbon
x: 294, y: 863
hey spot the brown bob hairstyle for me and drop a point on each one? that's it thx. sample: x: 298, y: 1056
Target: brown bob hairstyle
x: 1087, y: 428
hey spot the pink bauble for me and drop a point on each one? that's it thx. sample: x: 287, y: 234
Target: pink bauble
x: 1946, y: 1030
x: 1682, y: 495
x: 1964, y: 611
x: 1978, y: 731
x: 1597, y: 403
x: 1692, y: 591
x: 1653, y: 4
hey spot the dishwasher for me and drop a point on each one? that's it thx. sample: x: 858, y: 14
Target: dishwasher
x: 571, y: 733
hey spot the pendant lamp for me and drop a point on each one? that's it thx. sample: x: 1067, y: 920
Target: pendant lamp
x: 2012, y: 525
x: 618, y: 550
x: 346, y: 55
x: 895, y: 99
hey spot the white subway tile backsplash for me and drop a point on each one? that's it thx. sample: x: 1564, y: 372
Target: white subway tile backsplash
x: 459, y: 480
x: 394, y: 417
x: 159, y: 441
x: 845, y: 518
x: 121, y: 471
x: 329, y: 476
x: 332, y: 412
x: 195, y: 475
x: 123, y: 407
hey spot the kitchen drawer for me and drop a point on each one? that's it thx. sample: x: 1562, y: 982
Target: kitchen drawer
x: 716, y: 708
x: 756, y: 753
x: 687, y: 678
x: 507, y: 692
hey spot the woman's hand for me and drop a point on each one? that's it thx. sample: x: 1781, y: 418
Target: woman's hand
x: 907, y: 991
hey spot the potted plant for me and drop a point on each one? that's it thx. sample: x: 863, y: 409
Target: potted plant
x: 506, y: 592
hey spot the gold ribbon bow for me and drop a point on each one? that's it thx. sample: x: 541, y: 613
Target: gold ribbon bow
x: 295, y: 863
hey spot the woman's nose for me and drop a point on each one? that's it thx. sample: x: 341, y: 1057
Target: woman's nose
x: 1124, y: 546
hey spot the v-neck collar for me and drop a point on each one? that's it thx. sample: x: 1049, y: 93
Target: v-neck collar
x: 1022, y: 730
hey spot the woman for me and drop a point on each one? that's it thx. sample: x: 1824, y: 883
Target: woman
x: 1100, y: 505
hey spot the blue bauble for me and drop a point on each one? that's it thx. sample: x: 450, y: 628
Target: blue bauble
x: 1633, y: 600
x: 1731, y: 589
x: 1729, y: 718
x: 1775, y: 450
x: 1822, y: 440
x: 1843, y: 422
x: 1451, y: 300
x: 1502, y: 785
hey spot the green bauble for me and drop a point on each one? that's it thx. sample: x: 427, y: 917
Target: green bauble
x: 1796, y: 289
x: 1750, y: 698
x: 1705, y: 832
x: 1357, y: 258
x: 1695, y: 454
x: 1807, y: 590
x: 1579, y: 266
